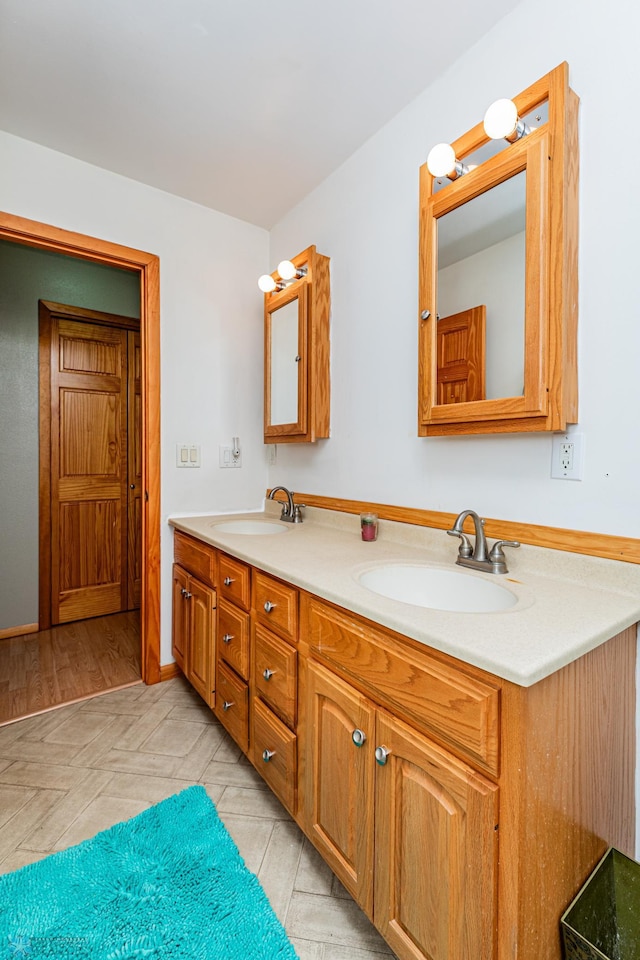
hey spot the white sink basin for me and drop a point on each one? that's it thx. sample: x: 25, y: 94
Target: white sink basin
x: 438, y: 589
x: 250, y: 527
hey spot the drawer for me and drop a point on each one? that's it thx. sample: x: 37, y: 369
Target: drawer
x: 234, y: 581
x: 196, y: 557
x: 275, y: 674
x: 232, y: 705
x: 276, y: 605
x: 448, y: 704
x: 233, y: 633
x: 274, y: 753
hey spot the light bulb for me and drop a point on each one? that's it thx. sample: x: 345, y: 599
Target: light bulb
x: 441, y: 160
x: 501, y: 120
x: 287, y: 270
x: 266, y: 283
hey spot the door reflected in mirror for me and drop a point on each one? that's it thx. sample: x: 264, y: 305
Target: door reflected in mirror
x: 285, y: 364
x: 481, y: 261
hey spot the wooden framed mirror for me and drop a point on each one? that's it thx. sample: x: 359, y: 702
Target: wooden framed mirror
x: 500, y: 241
x: 296, y: 352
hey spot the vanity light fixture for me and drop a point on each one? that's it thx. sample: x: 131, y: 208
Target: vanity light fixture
x: 442, y: 162
x: 267, y: 283
x: 289, y: 271
x: 501, y: 122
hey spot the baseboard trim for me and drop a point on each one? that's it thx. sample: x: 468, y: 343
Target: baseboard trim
x: 556, y: 538
x: 8, y: 632
x: 169, y: 671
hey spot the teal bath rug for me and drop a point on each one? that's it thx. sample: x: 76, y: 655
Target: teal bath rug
x: 168, y: 884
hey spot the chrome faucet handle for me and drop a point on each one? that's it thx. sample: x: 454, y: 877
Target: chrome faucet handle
x: 465, y: 549
x: 297, y: 516
x: 497, y: 558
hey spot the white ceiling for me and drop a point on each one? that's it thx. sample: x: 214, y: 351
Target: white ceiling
x: 243, y: 106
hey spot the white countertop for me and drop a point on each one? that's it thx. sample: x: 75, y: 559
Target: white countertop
x: 567, y: 603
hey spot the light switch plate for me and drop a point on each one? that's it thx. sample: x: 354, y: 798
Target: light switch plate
x: 187, y: 455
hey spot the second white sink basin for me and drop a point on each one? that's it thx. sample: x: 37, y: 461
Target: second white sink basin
x: 437, y: 589
x: 250, y: 527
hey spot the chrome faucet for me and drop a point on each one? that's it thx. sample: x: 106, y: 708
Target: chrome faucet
x: 290, y: 510
x: 479, y: 556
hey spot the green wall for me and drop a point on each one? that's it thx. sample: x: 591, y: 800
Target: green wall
x: 26, y: 276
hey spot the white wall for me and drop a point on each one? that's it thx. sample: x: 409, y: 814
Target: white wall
x: 211, y: 319
x: 365, y: 217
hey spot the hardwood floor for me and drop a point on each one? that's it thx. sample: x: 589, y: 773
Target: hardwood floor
x: 68, y: 663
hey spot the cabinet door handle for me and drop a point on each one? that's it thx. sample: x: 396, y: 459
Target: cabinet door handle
x: 268, y: 606
x: 227, y: 638
x: 381, y: 755
x: 227, y: 581
x: 358, y: 736
x: 227, y: 705
x: 267, y: 754
x: 267, y: 674
x: 187, y: 595
x: 182, y: 591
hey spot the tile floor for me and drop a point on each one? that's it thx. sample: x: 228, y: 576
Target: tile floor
x: 76, y: 770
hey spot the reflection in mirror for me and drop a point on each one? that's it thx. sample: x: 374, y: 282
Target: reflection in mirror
x: 481, y: 260
x: 285, y: 364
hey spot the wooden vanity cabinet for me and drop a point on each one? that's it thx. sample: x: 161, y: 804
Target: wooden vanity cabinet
x: 274, y: 686
x: 193, y: 615
x: 232, y: 661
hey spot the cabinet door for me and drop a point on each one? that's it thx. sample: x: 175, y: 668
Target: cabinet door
x: 339, y: 780
x: 180, y: 615
x: 202, y: 605
x: 436, y: 850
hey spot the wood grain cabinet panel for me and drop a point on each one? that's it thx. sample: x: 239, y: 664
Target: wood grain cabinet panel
x: 196, y: 557
x: 194, y: 631
x: 274, y: 753
x: 275, y: 674
x: 234, y: 580
x: 457, y: 709
x: 276, y: 605
x: 232, y: 705
x: 233, y: 630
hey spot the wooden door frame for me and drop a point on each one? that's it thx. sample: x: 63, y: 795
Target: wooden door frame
x: 147, y: 266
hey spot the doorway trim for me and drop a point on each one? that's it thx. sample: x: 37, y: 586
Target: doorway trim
x: 45, y: 237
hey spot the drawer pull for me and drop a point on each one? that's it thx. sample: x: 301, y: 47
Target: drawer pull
x: 228, y: 581
x: 267, y: 754
x: 267, y: 674
x: 358, y: 736
x: 268, y: 606
x: 381, y: 755
x: 227, y: 638
x: 187, y: 595
x: 227, y: 705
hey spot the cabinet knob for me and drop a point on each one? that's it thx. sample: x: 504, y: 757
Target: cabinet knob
x: 227, y: 581
x: 187, y: 595
x: 268, y: 606
x: 227, y: 638
x: 227, y: 705
x: 358, y: 736
x: 267, y: 754
x: 381, y: 755
x: 267, y: 674
x: 182, y: 591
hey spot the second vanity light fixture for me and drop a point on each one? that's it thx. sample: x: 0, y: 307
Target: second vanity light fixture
x: 501, y: 122
x: 288, y: 273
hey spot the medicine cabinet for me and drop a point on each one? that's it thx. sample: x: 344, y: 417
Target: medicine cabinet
x: 498, y: 274
x: 296, y: 349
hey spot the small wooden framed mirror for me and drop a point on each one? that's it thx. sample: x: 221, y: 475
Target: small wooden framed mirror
x: 296, y: 352
x: 498, y: 272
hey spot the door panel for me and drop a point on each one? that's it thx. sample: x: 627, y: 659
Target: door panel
x: 88, y: 470
x: 340, y: 778
x: 201, y: 658
x: 461, y: 356
x: 437, y: 850
x: 134, y: 441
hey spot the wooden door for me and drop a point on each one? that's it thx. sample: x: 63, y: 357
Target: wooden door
x: 339, y: 780
x: 201, y: 657
x: 179, y: 613
x: 436, y: 850
x: 88, y: 470
x: 461, y: 356
x: 134, y: 469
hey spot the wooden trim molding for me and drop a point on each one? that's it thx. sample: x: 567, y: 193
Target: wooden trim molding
x: 555, y: 538
x: 147, y: 265
x: 169, y: 671
x: 22, y: 631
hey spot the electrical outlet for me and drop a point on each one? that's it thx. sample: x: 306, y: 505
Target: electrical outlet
x: 227, y: 459
x: 567, y: 456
